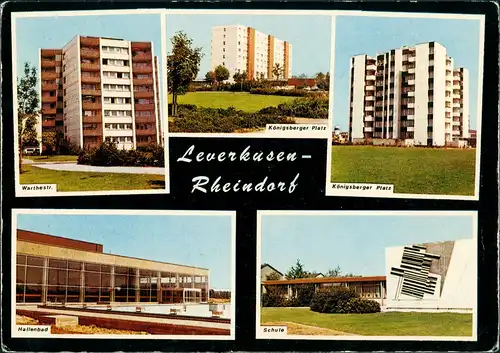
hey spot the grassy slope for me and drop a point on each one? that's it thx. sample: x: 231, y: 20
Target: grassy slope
x: 380, y: 324
x: 411, y: 170
x: 86, y: 181
x: 242, y: 101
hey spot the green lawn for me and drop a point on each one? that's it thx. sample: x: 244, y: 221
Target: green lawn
x: 411, y: 170
x: 87, y: 181
x: 239, y: 100
x: 60, y: 158
x: 380, y: 324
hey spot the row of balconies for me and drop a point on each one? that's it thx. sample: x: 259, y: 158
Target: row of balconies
x: 89, y: 53
x: 142, y: 69
x: 98, y: 132
x: 144, y: 57
x: 89, y: 41
x: 50, y: 75
x: 90, y: 79
x: 91, y: 92
x: 93, y: 67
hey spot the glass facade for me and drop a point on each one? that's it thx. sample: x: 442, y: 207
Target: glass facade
x: 43, y: 279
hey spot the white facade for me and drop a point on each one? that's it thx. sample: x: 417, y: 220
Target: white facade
x: 117, y: 87
x: 412, y: 94
x: 432, y: 277
x: 244, y: 49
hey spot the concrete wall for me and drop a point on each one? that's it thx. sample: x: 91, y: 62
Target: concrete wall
x: 72, y: 110
x: 358, y: 98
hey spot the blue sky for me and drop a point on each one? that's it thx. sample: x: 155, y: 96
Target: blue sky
x: 370, y: 35
x: 355, y: 243
x: 54, y: 32
x: 201, y: 241
x: 310, y: 36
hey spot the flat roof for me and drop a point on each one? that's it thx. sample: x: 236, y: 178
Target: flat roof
x: 326, y: 280
x: 45, y: 240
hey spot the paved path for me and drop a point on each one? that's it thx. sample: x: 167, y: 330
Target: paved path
x: 72, y: 167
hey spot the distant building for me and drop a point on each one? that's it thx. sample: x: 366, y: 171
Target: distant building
x: 410, y: 93
x: 244, y: 49
x: 267, y: 270
x: 302, y: 82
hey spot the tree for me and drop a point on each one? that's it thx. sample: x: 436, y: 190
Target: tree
x: 335, y: 272
x: 210, y: 78
x: 183, y: 64
x: 27, y: 109
x: 49, y: 141
x: 240, y: 77
x: 297, y: 271
x: 277, y: 71
x: 221, y: 74
x: 323, y: 81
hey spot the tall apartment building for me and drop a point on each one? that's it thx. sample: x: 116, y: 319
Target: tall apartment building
x: 414, y: 94
x: 244, y: 49
x: 101, y: 89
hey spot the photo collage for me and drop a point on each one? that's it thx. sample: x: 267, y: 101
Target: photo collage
x: 100, y: 242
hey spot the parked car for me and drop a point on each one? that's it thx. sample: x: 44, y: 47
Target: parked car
x: 29, y: 151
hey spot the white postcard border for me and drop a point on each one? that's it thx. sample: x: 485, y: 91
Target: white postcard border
x: 47, y: 14
x: 258, y: 326
x: 481, y: 19
x: 101, y: 212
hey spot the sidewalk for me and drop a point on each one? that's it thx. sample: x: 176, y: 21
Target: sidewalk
x: 73, y: 167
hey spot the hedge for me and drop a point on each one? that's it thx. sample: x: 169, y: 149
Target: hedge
x: 342, y: 300
x: 108, y: 154
x: 285, y: 92
x: 305, y: 107
x: 222, y: 120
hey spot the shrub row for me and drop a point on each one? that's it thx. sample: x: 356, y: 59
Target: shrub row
x: 244, y: 86
x: 285, y: 92
x: 107, y: 154
x: 305, y: 107
x: 221, y: 120
x: 342, y: 300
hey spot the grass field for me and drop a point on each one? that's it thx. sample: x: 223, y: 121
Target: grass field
x: 411, y: 170
x: 239, y: 100
x: 61, y: 158
x: 380, y: 324
x: 87, y: 181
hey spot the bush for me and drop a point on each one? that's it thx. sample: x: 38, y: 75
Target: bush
x: 342, y: 300
x: 222, y: 120
x: 274, y: 297
x: 107, y: 154
x: 181, y: 106
x: 305, y: 293
x: 305, y: 107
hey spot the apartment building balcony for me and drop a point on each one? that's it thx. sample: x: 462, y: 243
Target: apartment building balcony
x: 145, y: 120
x: 143, y: 94
x: 49, y: 111
x: 92, y: 132
x: 368, y: 118
x: 49, y: 86
x: 370, y: 88
x: 369, y: 108
x: 89, y: 41
x: 411, y: 105
x: 370, y: 77
x: 91, y: 92
x: 90, y: 67
x: 367, y: 129
x: 140, y: 45
x: 49, y: 123
x: 411, y: 71
x: 91, y: 106
x: 371, y: 67
x: 143, y: 81
x: 90, y: 79
x: 93, y: 119
x: 410, y: 116
x: 51, y: 52
x: 411, y: 82
x: 411, y: 59
x: 145, y: 132
x: 48, y: 63
x: 50, y: 75
x: 142, y: 69
x: 49, y: 99
x: 411, y: 94
x: 145, y: 57
x: 89, y: 53
x: 143, y: 107
x: 410, y: 128
x: 456, y: 86
x: 369, y: 98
